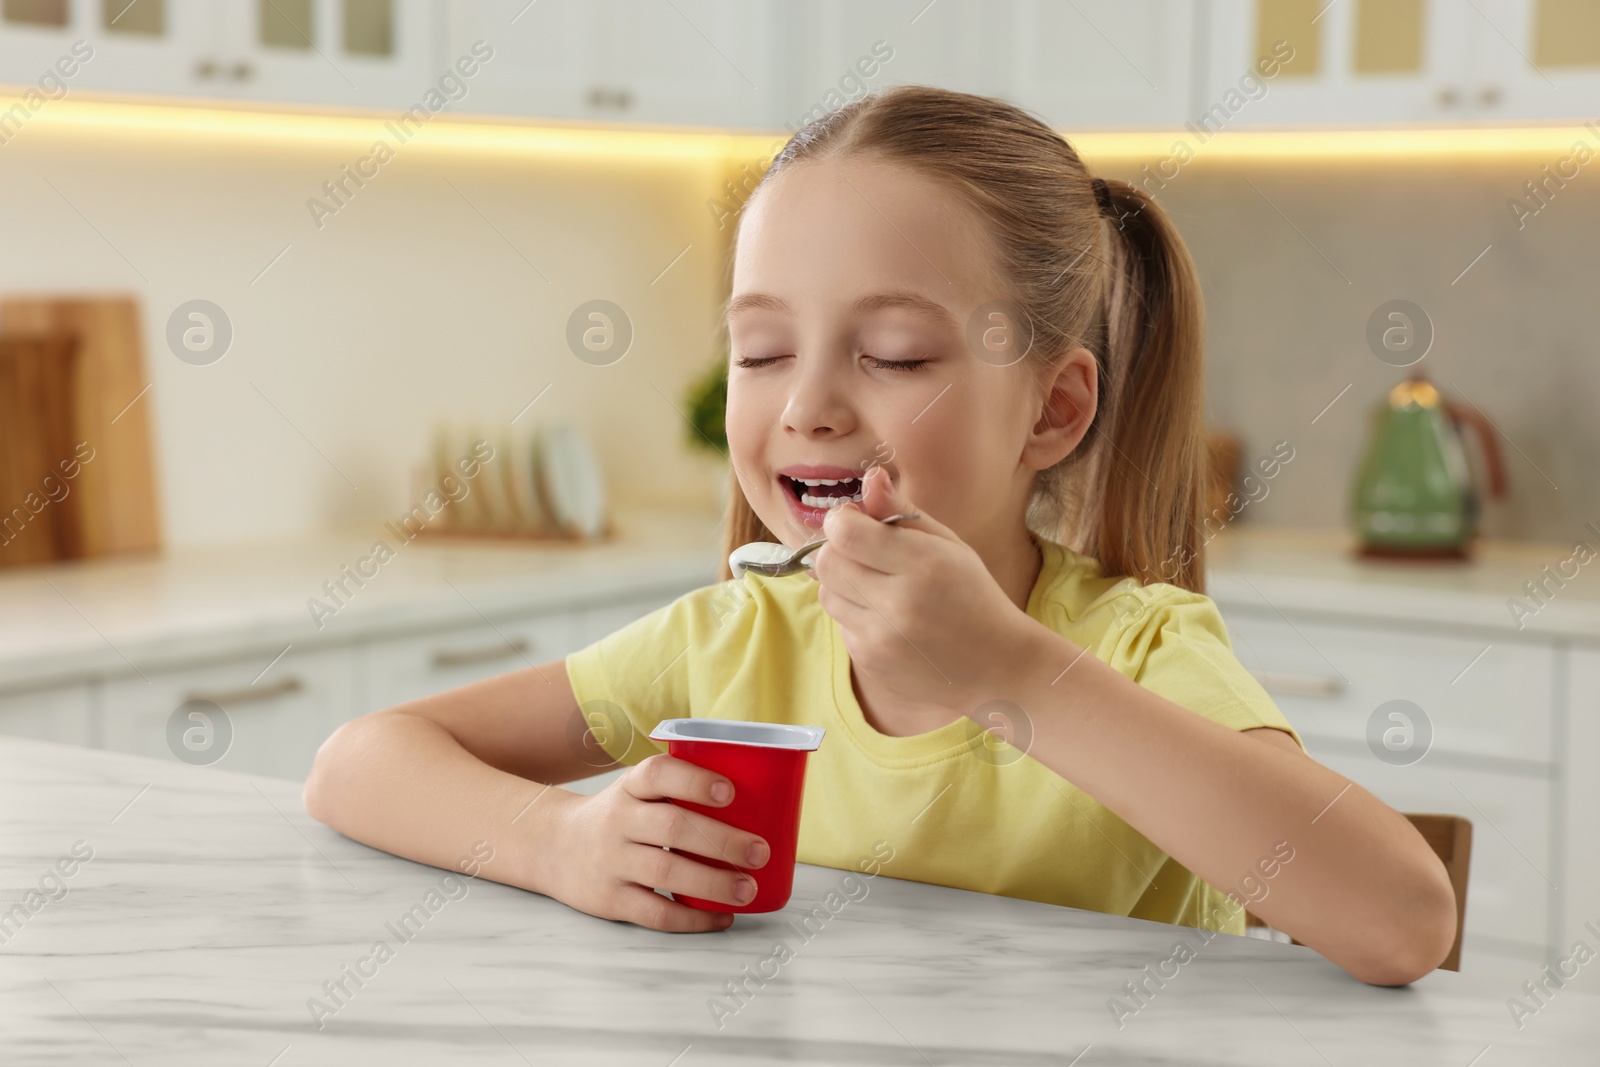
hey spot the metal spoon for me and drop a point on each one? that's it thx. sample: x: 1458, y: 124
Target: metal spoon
x: 775, y: 561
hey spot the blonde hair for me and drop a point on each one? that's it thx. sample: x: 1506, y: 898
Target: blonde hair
x: 1117, y: 281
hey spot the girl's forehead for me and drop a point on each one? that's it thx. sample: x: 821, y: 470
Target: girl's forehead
x: 840, y: 229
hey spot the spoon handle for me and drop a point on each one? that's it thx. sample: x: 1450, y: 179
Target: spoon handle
x: 805, y: 550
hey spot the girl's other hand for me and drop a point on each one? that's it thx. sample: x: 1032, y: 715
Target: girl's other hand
x: 609, y: 855
x: 918, y: 609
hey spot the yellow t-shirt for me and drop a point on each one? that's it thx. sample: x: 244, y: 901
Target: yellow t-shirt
x: 957, y: 806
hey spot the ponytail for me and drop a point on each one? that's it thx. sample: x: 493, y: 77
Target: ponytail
x: 1146, y: 491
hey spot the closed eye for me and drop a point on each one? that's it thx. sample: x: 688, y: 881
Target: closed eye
x: 896, y: 364
x: 755, y: 361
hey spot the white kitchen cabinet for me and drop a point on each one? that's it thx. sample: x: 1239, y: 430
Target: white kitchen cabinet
x: 1371, y: 62
x: 395, y: 670
x: 1538, y: 59
x: 1489, y: 697
x: 65, y: 714
x: 719, y: 63
x: 1095, y: 63
x: 959, y: 44
x: 1579, y: 828
x: 342, y: 53
x: 1505, y: 712
x: 1362, y: 62
x: 1100, y: 63
x: 277, y: 719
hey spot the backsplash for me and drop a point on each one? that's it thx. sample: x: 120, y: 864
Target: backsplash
x: 445, y: 288
x: 1295, y: 257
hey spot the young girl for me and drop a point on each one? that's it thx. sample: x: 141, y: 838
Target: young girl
x: 935, y: 310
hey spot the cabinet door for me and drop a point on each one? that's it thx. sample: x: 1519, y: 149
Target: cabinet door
x: 1580, y: 738
x: 1099, y: 63
x: 690, y: 62
x: 272, y: 725
x: 958, y: 44
x: 148, y: 47
x: 49, y: 715
x: 694, y: 62
x: 1360, y: 62
x: 349, y: 53
x: 399, y: 669
x: 1333, y: 680
x: 1512, y: 876
x: 546, y: 57
x: 1537, y: 59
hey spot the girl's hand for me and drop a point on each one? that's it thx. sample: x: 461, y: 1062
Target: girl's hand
x: 919, y: 610
x: 607, y: 857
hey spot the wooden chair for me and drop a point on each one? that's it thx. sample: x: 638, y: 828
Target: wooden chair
x: 1450, y: 837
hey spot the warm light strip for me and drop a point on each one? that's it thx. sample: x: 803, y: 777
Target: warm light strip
x: 450, y: 133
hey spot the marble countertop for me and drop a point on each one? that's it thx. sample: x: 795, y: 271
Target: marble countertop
x: 1318, y: 571
x: 211, y: 911
x: 64, y: 621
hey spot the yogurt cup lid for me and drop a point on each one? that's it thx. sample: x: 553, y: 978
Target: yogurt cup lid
x: 740, y: 732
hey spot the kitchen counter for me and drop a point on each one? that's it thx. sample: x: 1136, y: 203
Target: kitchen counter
x: 213, y: 911
x: 1318, y: 571
x: 62, y: 621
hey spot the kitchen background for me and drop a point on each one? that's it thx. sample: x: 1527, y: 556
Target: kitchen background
x: 598, y: 151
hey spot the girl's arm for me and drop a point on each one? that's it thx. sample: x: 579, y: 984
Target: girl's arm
x: 472, y: 772
x: 1364, y: 889
x: 922, y: 616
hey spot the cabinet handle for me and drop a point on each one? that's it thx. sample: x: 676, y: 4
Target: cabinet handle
x: 243, y: 71
x: 1448, y: 97
x: 599, y: 96
x: 1489, y: 95
x: 464, y: 657
x: 205, y: 68
x: 250, y: 694
x: 1299, y: 685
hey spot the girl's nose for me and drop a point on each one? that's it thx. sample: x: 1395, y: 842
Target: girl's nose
x: 818, y: 404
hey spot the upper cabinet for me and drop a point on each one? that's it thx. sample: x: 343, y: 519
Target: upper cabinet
x: 1375, y: 62
x: 339, y: 53
x: 1092, y: 63
x: 770, y: 65
x: 719, y: 63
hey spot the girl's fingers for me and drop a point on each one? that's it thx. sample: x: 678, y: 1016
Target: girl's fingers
x: 649, y: 908
x: 879, y: 546
x: 677, y: 873
x: 846, y: 577
x: 662, y: 776
x: 667, y: 824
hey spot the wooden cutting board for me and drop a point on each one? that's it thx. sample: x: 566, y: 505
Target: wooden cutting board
x: 118, y: 506
x: 42, y: 516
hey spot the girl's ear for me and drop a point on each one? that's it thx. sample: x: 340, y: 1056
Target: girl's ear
x: 1065, y: 410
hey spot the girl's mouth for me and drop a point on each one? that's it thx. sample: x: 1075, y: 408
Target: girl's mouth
x: 822, y: 493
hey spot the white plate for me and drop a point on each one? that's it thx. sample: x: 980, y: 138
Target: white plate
x: 523, y: 481
x: 570, y: 477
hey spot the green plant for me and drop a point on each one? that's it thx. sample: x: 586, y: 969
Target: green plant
x: 708, y: 408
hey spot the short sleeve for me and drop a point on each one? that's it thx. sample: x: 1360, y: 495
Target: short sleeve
x: 629, y: 680
x: 1177, y: 645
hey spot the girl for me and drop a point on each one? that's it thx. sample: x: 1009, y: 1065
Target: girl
x: 935, y: 310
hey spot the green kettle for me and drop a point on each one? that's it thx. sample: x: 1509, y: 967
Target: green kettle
x: 1414, y: 495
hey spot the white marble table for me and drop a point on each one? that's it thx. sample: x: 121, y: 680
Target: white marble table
x: 214, y: 908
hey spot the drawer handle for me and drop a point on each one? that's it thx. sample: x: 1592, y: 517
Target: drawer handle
x: 1299, y: 685
x: 464, y: 657
x: 249, y: 694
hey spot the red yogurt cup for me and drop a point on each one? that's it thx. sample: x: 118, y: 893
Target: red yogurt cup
x: 766, y: 762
